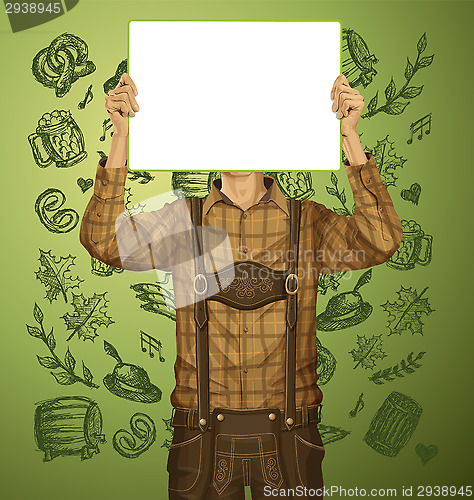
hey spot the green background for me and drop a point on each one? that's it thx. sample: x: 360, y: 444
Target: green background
x: 440, y: 162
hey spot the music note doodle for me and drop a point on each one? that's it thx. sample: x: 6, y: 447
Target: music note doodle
x: 106, y: 125
x: 87, y: 98
x: 358, y: 407
x: 152, y: 343
x: 419, y: 125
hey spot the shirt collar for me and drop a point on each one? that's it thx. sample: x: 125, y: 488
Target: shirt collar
x: 273, y: 194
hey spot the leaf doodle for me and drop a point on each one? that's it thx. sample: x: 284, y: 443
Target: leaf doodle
x: 389, y: 374
x: 386, y: 160
x: 49, y: 202
x: 368, y: 352
x: 145, y: 177
x: 67, y: 376
x: 89, y: 314
x: 341, y: 196
x: 55, y: 275
x: 405, y: 313
x: 130, y: 209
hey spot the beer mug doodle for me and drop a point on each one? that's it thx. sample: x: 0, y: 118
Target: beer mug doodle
x: 57, y: 139
x: 415, y: 248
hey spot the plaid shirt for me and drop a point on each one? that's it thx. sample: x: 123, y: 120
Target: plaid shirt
x: 247, y: 347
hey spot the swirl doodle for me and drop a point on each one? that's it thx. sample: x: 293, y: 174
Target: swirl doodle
x: 142, y: 427
x: 62, y: 63
x: 49, y: 202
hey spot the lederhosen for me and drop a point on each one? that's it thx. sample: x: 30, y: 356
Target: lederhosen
x: 233, y: 422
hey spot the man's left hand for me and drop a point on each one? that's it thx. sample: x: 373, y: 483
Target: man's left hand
x: 348, y: 104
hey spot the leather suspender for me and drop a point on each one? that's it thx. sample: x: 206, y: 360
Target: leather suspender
x: 290, y: 363
x: 201, y: 318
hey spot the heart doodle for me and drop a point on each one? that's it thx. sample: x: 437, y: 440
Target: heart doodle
x: 85, y: 184
x: 426, y: 453
x: 412, y: 194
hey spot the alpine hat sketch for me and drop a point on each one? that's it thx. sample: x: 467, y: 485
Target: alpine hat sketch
x: 326, y: 364
x: 130, y: 381
x: 62, y: 63
x: 346, y: 309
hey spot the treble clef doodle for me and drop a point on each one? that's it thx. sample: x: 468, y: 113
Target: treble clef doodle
x: 62, y: 63
x: 50, y: 202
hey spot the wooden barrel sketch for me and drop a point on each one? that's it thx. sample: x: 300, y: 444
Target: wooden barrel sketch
x: 70, y: 425
x: 393, y: 424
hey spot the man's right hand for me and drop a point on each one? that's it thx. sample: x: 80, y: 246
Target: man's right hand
x: 120, y: 103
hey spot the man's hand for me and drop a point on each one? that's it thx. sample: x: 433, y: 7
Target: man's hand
x: 348, y: 103
x: 120, y: 103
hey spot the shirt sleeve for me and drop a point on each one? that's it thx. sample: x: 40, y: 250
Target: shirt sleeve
x: 367, y: 238
x: 132, y: 242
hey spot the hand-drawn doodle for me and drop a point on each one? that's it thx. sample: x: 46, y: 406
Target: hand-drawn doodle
x: 329, y: 282
x: 326, y: 363
x: 426, y: 453
x: 85, y: 184
x: 192, y: 184
x: 329, y: 433
x: 341, y: 196
x: 358, y: 67
x: 113, y: 81
x: 102, y: 269
x: 152, y: 343
x: 294, y: 185
x: 106, y: 125
x: 58, y: 139
x: 101, y: 154
x: 412, y: 194
x: 393, y: 424
x: 130, y: 381
x: 145, y: 177
x: 368, y: 351
x: 386, y: 160
x: 167, y: 442
x: 89, y: 314
x: 392, y: 372
x: 405, y: 313
x: 346, y: 309
x: 392, y: 104
x: 419, y: 125
x: 359, y: 406
x: 156, y: 298
x: 62, y: 63
x: 56, y: 275
x: 87, y: 98
x: 67, y: 376
x: 130, y: 209
x: 416, y: 247
x: 143, y: 428
x: 62, y: 220
x: 69, y: 425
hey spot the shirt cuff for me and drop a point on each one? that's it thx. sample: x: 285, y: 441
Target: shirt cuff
x: 364, y: 176
x: 109, y: 182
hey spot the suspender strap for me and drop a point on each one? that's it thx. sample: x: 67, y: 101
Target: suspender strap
x: 291, y: 289
x: 200, y: 317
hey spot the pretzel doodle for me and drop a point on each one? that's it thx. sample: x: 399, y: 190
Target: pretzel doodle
x: 62, y: 63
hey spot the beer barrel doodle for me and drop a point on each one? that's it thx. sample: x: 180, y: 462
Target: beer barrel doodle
x: 70, y: 425
x: 393, y: 424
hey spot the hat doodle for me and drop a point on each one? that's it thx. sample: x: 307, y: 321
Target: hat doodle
x: 346, y: 309
x: 130, y: 381
x: 62, y: 63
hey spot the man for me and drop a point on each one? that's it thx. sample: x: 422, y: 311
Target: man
x: 246, y: 401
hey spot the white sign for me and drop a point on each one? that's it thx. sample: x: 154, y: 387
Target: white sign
x: 234, y: 95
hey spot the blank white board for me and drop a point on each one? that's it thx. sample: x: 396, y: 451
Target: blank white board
x: 234, y: 95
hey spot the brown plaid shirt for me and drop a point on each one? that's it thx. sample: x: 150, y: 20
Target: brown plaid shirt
x: 247, y: 347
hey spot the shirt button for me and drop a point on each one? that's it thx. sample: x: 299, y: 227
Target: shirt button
x: 104, y: 182
x: 245, y: 249
x: 245, y: 329
x: 99, y: 214
x: 245, y: 370
x: 381, y: 209
x: 368, y: 180
x: 244, y: 215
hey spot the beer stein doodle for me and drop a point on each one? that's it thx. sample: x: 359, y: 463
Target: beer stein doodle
x: 415, y: 248
x: 57, y: 139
